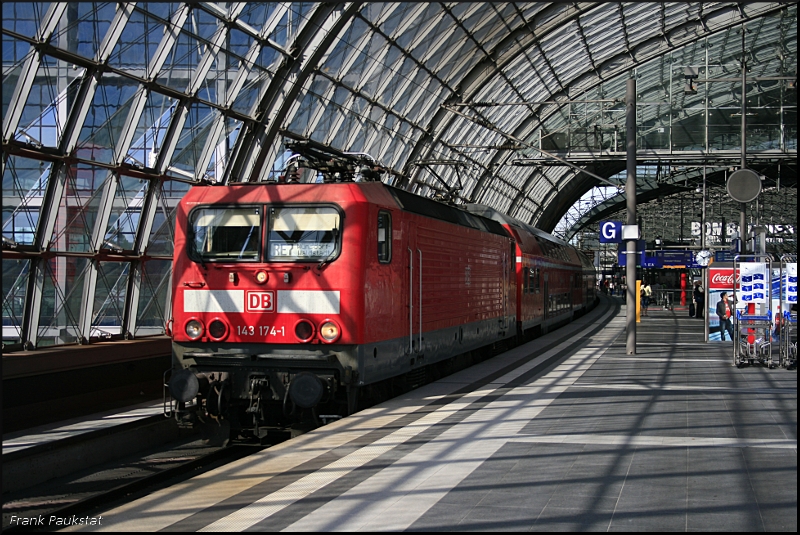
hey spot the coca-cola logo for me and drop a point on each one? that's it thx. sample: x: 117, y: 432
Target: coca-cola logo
x: 720, y: 279
x: 723, y: 279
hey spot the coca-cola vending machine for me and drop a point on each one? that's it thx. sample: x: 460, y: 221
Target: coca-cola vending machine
x: 720, y: 279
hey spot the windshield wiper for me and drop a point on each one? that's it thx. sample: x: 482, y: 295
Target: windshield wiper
x: 328, y: 258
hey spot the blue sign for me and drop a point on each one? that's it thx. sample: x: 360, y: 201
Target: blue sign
x: 611, y: 232
x: 622, y: 256
x: 724, y: 256
x: 653, y: 261
x: 676, y: 258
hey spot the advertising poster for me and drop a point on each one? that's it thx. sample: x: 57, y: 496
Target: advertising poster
x: 790, y: 283
x: 753, y: 288
x: 720, y: 280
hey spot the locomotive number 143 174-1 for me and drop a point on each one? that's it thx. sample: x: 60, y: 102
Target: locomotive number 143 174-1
x: 260, y: 330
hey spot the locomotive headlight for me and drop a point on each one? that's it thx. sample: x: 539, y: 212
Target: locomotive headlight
x: 329, y: 331
x: 304, y: 330
x: 262, y: 277
x: 194, y: 329
x: 217, y: 329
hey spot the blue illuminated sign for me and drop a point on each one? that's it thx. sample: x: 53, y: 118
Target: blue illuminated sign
x: 610, y: 231
x: 622, y: 257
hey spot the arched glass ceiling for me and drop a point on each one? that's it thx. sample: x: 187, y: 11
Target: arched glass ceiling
x: 111, y: 111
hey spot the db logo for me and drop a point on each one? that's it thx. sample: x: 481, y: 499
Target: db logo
x: 260, y: 301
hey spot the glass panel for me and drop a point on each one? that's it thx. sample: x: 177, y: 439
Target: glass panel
x: 181, y: 62
x: 24, y: 184
x: 78, y: 212
x: 15, y: 53
x: 106, y: 118
x: 61, y: 301
x: 224, y: 234
x: 49, y: 103
x: 248, y: 96
x: 193, y: 138
x: 256, y: 14
x: 238, y: 44
x: 162, y: 233
x: 15, y: 282
x: 138, y: 43
x: 154, y: 290
x: 24, y: 17
x: 150, y: 132
x: 302, y: 233
x: 225, y: 142
x: 109, y: 299
x: 125, y: 212
x: 83, y: 26
x: 163, y: 10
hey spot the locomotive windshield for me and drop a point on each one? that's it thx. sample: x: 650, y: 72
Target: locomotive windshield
x: 225, y: 233
x: 307, y: 233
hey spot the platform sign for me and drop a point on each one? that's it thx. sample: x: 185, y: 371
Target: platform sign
x: 675, y: 259
x: 611, y: 232
x: 654, y: 262
x: 724, y: 256
x: 622, y: 256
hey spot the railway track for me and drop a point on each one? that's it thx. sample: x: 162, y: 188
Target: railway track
x: 65, y: 500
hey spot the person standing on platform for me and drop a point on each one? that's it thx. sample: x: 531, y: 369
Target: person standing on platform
x: 647, y: 293
x: 725, y: 313
x: 699, y: 298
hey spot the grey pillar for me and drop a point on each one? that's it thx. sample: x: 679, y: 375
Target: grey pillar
x: 630, y: 194
x: 743, y: 206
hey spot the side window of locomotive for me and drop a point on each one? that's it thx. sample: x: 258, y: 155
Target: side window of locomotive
x: 307, y: 233
x: 225, y: 234
x: 384, y: 237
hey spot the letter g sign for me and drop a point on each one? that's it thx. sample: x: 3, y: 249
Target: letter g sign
x: 610, y: 231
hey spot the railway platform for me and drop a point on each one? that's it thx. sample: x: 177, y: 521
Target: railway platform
x: 566, y: 432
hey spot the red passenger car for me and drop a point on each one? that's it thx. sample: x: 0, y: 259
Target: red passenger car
x: 554, y: 281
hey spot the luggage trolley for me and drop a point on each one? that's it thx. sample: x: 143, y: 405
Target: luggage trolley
x: 753, y: 339
x: 788, y: 340
x: 787, y: 335
x: 753, y: 330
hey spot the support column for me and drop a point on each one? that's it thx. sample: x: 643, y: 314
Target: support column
x: 743, y: 206
x: 630, y: 195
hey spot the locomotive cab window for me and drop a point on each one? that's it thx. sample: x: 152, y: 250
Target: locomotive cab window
x: 303, y: 233
x: 384, y: 237
x: 225, y: 234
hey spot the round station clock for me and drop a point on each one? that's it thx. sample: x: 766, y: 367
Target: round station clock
x: 703, y: 257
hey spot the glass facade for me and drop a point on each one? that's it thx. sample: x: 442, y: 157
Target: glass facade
x: 111, y: 111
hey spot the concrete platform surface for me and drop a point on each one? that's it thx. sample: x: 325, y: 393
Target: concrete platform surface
x: 673, y: 438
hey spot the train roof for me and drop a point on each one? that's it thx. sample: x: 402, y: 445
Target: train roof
x: 413, y: 203
x: 505, y: 219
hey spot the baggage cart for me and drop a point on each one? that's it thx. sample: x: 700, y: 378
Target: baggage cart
x: 787, y: 321
x: 752, y: 327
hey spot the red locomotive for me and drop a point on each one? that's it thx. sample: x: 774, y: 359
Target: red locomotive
x: 288, y: 298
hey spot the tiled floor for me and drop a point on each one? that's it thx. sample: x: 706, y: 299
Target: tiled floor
x: 672, y: 439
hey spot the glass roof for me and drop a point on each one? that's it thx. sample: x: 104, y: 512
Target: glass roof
x: 112, y: 110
